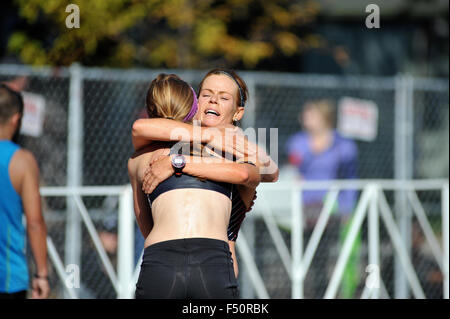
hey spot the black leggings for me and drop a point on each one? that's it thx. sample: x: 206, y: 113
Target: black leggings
x: 190, y: 268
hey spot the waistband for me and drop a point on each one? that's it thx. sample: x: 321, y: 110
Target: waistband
x: 187, y: 251
x: 187, y: 243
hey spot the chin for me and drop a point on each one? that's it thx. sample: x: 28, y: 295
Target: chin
x: 211, y: 122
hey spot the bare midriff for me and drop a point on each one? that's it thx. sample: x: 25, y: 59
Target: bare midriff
x: 189, y: 213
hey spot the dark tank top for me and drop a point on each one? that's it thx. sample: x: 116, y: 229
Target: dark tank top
x: 238, y: 208
x: 188, y: 181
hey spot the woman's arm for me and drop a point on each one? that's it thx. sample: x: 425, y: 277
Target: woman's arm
x: 232, y: 140
x: 145, y: 131
x: 142, y: 208
x: 227, y: 138
x: 252, y: 152
x: 215, y: 169
x: 221, y: 170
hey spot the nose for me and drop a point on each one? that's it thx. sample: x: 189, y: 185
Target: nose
x: 213, y: 98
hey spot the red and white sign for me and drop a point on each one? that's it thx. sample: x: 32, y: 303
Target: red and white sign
x: 358, y: 119
x: 33, y: 114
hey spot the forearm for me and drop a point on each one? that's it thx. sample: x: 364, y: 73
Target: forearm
x: 146, y: 130
x: 37, y: 234
x: 220, y: 170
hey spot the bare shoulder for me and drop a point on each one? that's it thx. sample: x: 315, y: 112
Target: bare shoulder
x: 136, y: 163
x: 24, y: 160
x: 131, y: 165
x: 23, y: 166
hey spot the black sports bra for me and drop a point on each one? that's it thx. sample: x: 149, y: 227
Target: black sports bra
x: 238, y: 210
x: 188, y: 181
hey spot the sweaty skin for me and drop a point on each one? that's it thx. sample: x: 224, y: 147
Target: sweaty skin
x: 188, y: 219
x: 179, y: 213
x: 188, y: 213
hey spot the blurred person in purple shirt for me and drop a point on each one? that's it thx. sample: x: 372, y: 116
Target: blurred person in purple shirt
x: 320, y: 153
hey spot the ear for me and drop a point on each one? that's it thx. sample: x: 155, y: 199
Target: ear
x: 239, y: 113
x: 15, y: 119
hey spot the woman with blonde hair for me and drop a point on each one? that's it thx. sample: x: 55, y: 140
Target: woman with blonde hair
x: 186, y: 217
x: 222, y: 97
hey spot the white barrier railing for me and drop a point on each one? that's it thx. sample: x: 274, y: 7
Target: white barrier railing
x: 122, y: 281
x: 371, y: 204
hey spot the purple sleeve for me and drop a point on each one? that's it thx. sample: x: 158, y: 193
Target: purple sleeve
x: 289, y: 146
x: 295, y: 149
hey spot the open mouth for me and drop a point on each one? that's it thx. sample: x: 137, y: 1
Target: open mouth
x: 212, y: 112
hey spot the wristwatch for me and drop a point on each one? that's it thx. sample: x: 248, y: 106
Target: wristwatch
x: 178, y: 163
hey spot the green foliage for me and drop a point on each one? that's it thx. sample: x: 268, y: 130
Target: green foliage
x: 164, y: 33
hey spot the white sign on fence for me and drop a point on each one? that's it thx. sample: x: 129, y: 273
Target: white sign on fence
x: 358, y: 119
x: 33, y: 114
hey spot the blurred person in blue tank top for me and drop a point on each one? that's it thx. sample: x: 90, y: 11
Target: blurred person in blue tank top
x: 19, y: 194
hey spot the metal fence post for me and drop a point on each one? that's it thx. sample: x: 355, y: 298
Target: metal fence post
x: 297, y: 243
x: 74, y: 165
x: 251, y: 268
x: 248, y: 121
x: 125, y: 250
x: 355, y: 227
x: 403, y: 170
x: 248, y: 227
x: 59, y: 268
x: 445, y: 238
x: 374, y: 244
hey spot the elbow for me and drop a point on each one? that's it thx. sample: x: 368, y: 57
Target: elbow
x: 244, y: 177
x: 275, y: 176
x: 270, y: 177
x: 249, y: 180
x: 274, y: 172
x: 136, y: 129
x: 138, y: 136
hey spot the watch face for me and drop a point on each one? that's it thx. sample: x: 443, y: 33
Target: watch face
x: 178, y: 161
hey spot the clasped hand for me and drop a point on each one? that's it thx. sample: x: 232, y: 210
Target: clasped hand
x: 158, y: 170
x: 231, y: 139
x: 228, y: 139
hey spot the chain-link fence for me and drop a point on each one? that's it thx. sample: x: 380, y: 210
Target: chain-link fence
x: 91, y: 279
x: 422, y: 240
x: 411, y: 142
x: 111, y: 100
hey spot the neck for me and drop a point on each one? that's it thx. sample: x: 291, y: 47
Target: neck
x: 5, y: 133
x: 321, y: 133
x: 321, y: 140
